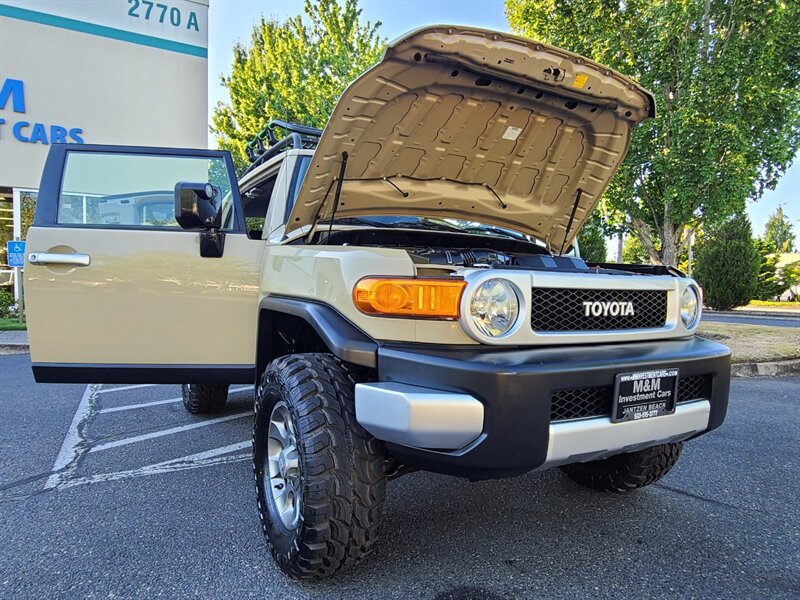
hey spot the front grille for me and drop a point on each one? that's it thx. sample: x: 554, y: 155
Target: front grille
x: 582, y: 403
x: 694, y: 387
x: 562, y: 309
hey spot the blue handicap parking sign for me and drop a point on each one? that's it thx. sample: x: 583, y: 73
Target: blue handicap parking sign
x: 16, y: 253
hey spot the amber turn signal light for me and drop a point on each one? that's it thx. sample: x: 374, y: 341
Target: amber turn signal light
x: 412, y: 298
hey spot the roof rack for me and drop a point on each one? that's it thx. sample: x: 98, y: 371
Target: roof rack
x: 265, y: 145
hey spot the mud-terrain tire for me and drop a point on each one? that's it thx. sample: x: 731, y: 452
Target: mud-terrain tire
x: 204, y: 398
x: 626, y: 472
x: 326, y: 462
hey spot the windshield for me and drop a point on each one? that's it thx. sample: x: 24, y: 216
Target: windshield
x: 436, y: 224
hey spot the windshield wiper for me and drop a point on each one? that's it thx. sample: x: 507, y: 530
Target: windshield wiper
x: 358, y: 221
x: 422, y: 223
x: 429, y: 224
x: 497, y: 231
x: 443, y: 225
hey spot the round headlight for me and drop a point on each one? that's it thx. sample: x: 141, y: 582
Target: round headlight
x: 494, y: 307
x: 690, y: 307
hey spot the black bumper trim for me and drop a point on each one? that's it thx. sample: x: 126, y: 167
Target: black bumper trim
x: 118, y: 373
x: 516, y: 387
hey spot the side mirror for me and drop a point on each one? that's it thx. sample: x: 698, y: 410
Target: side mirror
x: 197, y: 205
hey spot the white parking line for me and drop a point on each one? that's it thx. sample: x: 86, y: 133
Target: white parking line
x: 158, y: 402
x: 184, y: 463
x: 74, y: 444
x: 127, y: 387
x: 143, y: 405
x: 163, y: 432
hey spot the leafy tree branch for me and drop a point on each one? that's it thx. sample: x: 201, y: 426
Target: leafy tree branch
x: 726, y: 77
x: 295, y: 71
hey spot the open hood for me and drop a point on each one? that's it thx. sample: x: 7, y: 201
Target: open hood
x: 476, y: 125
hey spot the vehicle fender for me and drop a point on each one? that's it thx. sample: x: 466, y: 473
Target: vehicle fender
x: 342, y: 338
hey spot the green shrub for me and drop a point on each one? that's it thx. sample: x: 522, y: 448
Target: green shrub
x: 634, y: 252
x: 727, y: 264
x: 6, y: 304
x: 790, y: 276
x: 591, y: 240
x: 770, y: 285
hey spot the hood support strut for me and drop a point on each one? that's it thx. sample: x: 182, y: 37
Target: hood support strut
x: 571, y: 219
x: 337, y: 193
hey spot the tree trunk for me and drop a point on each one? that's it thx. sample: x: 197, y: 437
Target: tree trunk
x: 670, y: 243
x: 643, y: 231
x: 706, y: 30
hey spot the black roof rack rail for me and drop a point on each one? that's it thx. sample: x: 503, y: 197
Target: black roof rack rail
x: 297, y: 128
x: 300, y: 136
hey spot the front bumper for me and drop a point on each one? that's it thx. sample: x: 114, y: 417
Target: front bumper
x: 495, y: 405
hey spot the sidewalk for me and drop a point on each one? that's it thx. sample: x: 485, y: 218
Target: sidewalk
x: 14, y: 342
x: 759, y: 311
x: 769, y: 310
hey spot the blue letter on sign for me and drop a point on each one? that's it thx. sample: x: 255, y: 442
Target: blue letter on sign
x: 14, y: 89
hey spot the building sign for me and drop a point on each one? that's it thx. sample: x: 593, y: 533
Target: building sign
x: 176, y: 25
x: 123, y: 72
x: 13, y: 93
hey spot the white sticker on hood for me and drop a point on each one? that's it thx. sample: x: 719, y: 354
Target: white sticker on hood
x: 512, y: 133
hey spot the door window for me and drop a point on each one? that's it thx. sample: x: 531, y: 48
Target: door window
x: 303, y: 162
x: 255, y: 202
x: 133, y: 190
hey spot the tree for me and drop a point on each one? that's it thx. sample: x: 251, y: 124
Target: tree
x: 727, y: 264
x: 790, y: 275
x: 591, y: 240
x: 633, y: 252
x: 726, y: 78
x: 294, y: 71
x: 770, y: 285
x: 778, y: 232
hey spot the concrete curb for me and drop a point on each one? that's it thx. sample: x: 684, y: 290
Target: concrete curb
x: 783, y: 368
x: 6, y: 349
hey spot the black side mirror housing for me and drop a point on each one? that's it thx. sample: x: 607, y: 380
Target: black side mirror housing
x: 198, y: 206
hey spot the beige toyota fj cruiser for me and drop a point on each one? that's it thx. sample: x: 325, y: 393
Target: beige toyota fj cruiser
x: 401, y: 287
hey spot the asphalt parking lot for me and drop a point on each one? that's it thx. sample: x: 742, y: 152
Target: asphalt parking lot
x: 116, y: 492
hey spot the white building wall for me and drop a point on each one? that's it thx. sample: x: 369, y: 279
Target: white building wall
x: 93, y: 68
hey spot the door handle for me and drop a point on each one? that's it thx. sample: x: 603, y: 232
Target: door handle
x: 52, y: 258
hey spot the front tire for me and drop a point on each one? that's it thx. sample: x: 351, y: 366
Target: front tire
x: 204, y: 398
x: 320, y: 477
x: 626, y: 472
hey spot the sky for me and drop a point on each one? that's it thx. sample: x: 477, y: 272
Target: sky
x: 231, y: 21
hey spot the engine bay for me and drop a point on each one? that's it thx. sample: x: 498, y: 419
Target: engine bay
x: 489, y: 259
x: 440, y: 249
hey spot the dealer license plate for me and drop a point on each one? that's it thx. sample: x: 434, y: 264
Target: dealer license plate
x: 644, y: 395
